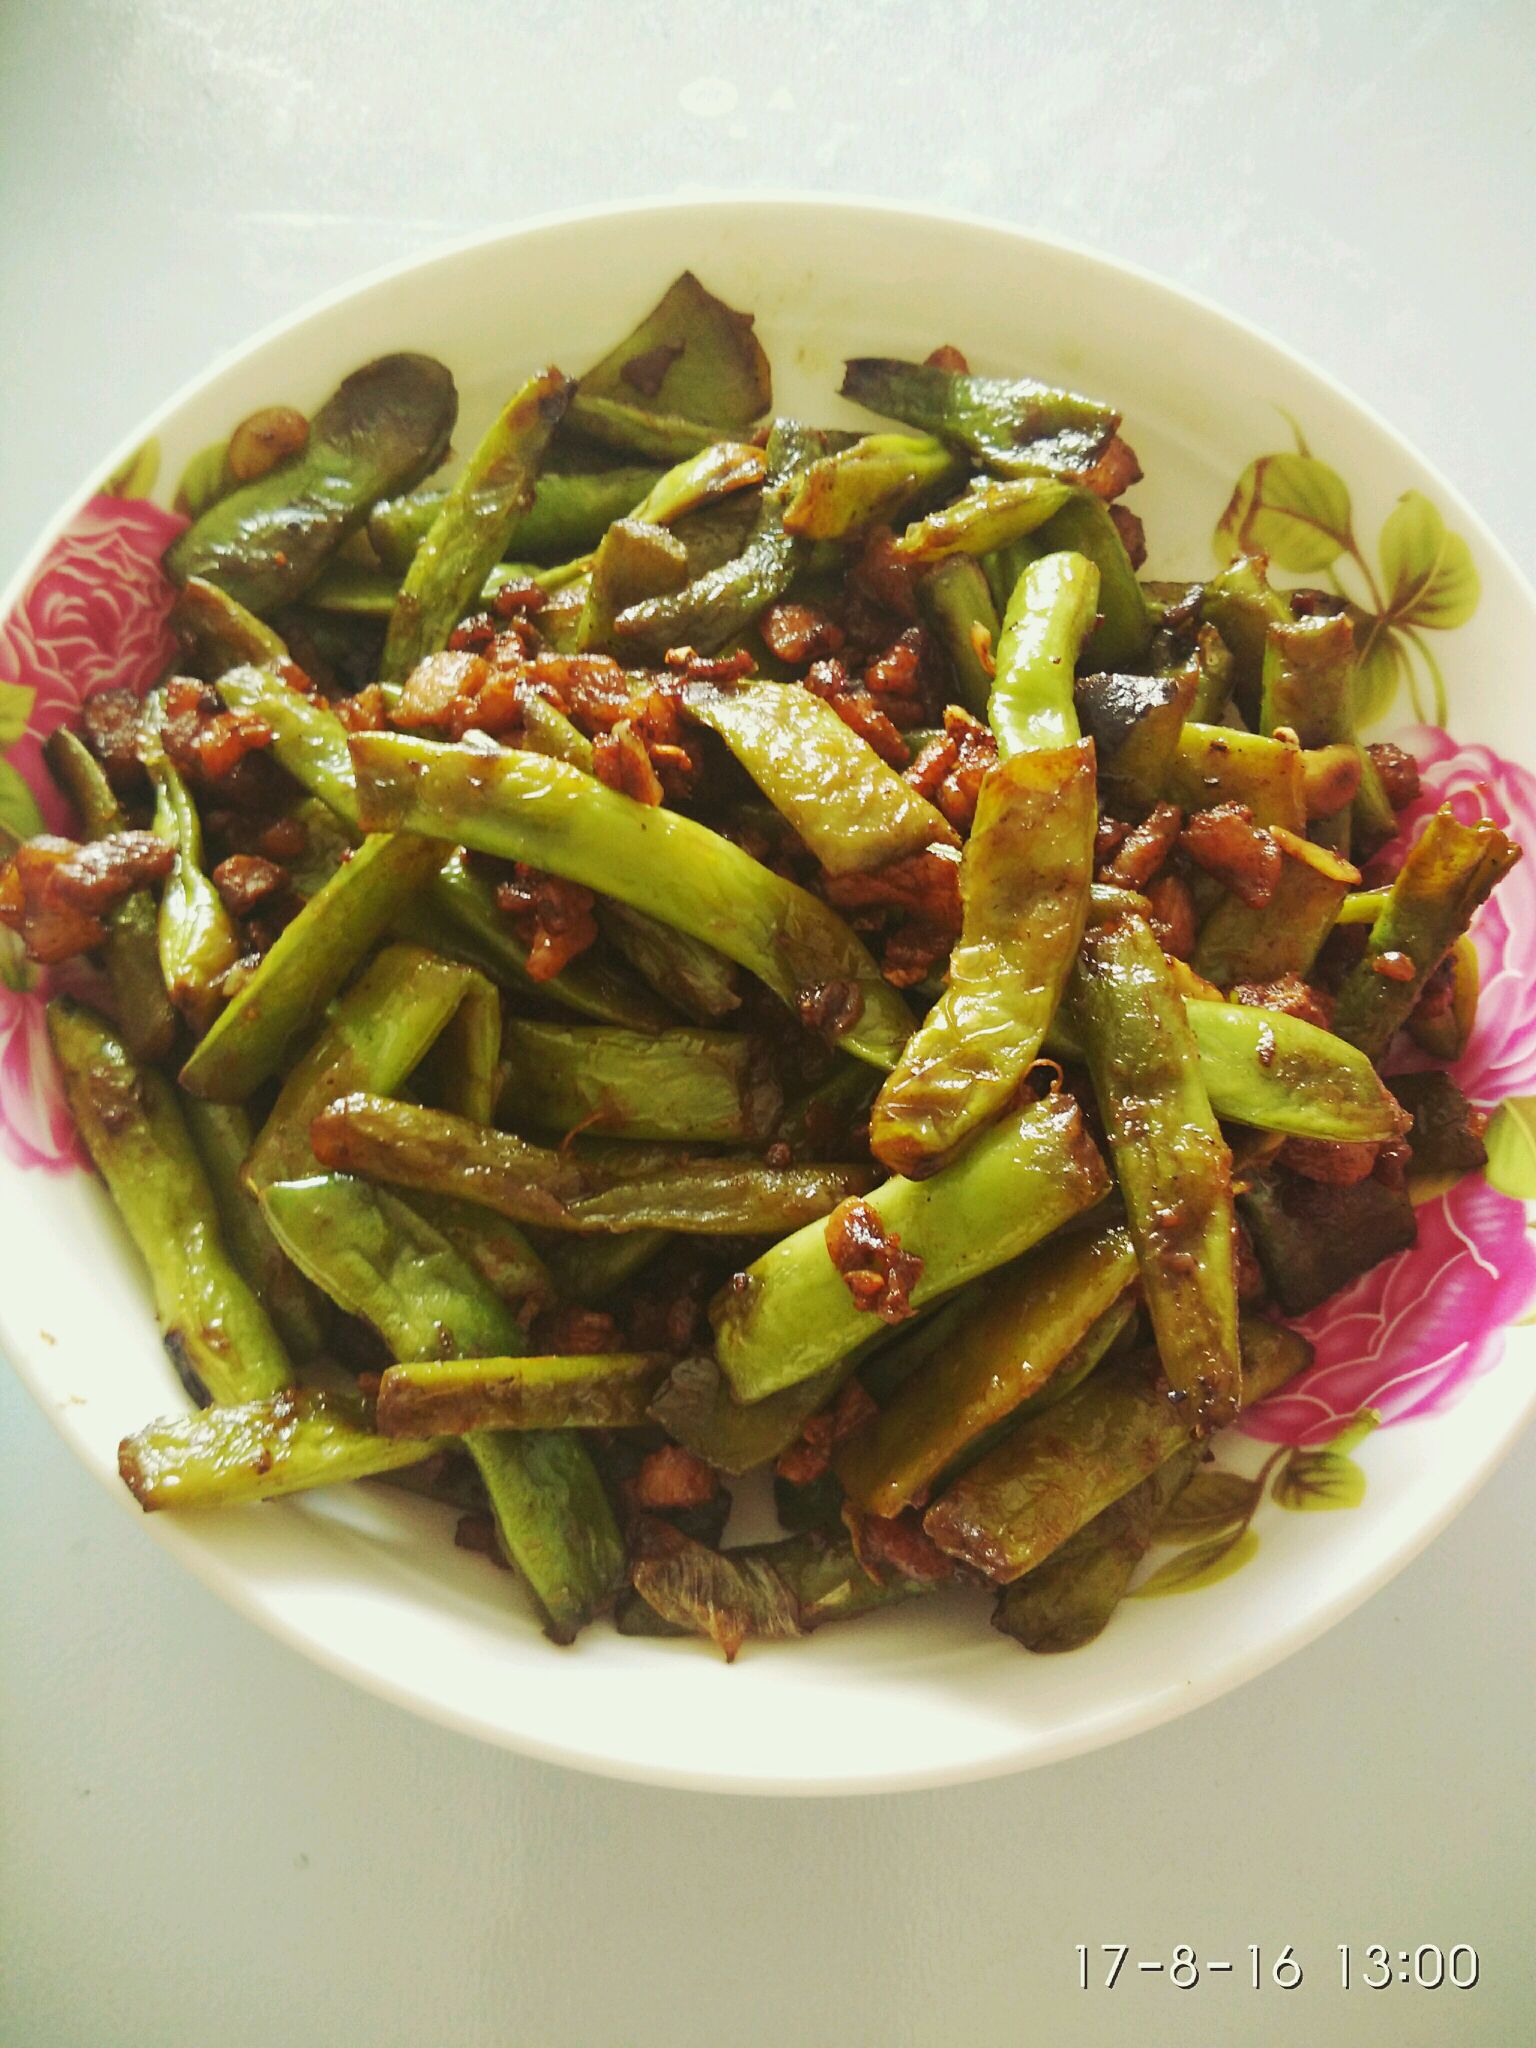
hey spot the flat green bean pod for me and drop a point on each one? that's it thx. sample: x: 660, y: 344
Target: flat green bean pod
x: 1172, y: 1163
x: 1050, y: 614
x: 260, y: 1450
x: 701, y: 1087
x: 554, y: 817
x: 476, y: 521
x: 791, y: 1317
x: 1060, y: 1469
x: 219, y: 1336
x: 628, y: 1189
x: 379, y: 1260
x: 1013, y: 425
x: 849, y: 807
x: 380, y: 432
x: 452, y: 1396
x: 313, y: 955
x: 843, y: 493
x: 1024, y: 890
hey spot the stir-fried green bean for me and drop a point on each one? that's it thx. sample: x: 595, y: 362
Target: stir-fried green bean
x: 703, y: 480
x: 1083, y: 527
x: 377, y: 1259
x: 141, y: 1008
x: 1014, y: 426
x: 381, y: 431
x: 990, y: 514
x: 1274, y: 1072
x: 376, y: 1036
x: 219, y: 1336
x: 219, y: 633
x: 702, y: 1087
x: 1308, y: 688
x: 790, y: 1316
x: 765, y: 1591
x: 591, y: 1270
x: 1005, y: 1351
x: 1134, y: 723
x: 696, y: 1407
x: 692, y: 977
x: 849, y: 807
x: 692, y: 358
x: 223, y: 1135
x: 1215, y: 675
x: 197, y: 939
x: 311, y: 958
x: 1171, y: 1161
x: 1281, y: 1073
x: 493, y: 1245
x: 474, y: 524
x: 1060, y: 1469
x: 312, y: 744
x: 634, y: 562
x: 627, y: 1189
x: 451, y: 1397
x: 1217, y: 764
x: 956, y: 601
x: 659, y: 921
x: 568, y: 515
x: 260, y: 1450
x: 710, y: 610
x: 1024, y: 889
x: 1450, y: 870
x: 1445, y: 1033
x: 873, y: 481
x: 524, y: 808
x: 1068, y: 1600
x: 1241, y: 604
x: 1049, y: 615
x: 1239, y: 942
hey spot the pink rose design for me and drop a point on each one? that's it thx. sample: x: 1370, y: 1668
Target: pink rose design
x: 1409, y: 1336
x: 93, y: 618
x: 35, y: 1126
x: 1500, y: 1059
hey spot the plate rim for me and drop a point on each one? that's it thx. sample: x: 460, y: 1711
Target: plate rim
x: 233, y: 1585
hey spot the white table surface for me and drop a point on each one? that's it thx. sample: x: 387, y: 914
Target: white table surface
x: 203, y: 1839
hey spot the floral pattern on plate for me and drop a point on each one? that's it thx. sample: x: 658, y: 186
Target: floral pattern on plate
x: 94, y: 617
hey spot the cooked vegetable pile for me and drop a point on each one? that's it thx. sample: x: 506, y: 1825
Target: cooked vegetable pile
x: 706, y: 943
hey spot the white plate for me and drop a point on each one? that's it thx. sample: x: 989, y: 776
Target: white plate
x: 365, y: 1582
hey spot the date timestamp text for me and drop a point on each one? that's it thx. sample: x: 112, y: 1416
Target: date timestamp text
x: 1372, y: 1968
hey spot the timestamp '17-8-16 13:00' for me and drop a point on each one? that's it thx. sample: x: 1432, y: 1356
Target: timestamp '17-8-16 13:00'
x: 1374, y: 1967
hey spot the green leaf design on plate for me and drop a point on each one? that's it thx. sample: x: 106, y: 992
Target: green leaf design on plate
x: 1292, y: 508
x: 1511, y: 1142
x: 204, y: 481
x: 1378, y: 673
x: 136, y: 477
x: 1202, y: 1564
x: 19, y: 815
x: 1355, y: 1431
x: 15, y: 709
x: 1429, y: 573
x: 1212, y: 1501
x: 1310, y: 1480
x: 1326, y: 1477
